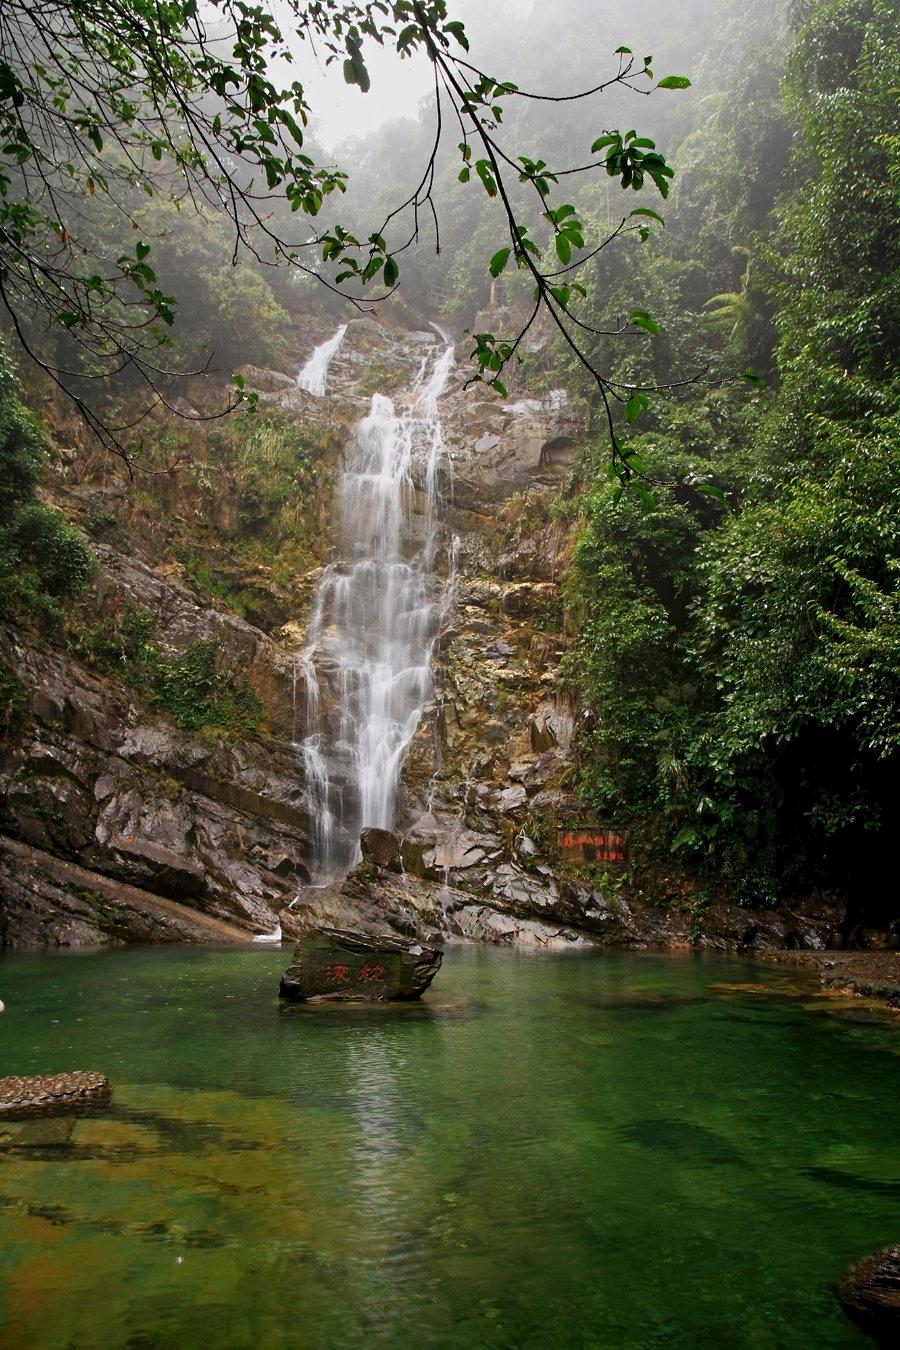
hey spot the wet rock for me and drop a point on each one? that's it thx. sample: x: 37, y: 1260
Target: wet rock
x: 528, y: 561
x: 526, y: 850
x: 558, y: 453
x: 869, y: 974
x: 552, y: 727
x: 511, y: 799
x: 51, y: 1092
x: 522, y: 892
x: 458, y: 854
x: 381, y: 847
x: 337, y: 966
x: 427, y: 908
x: 95, y: 781
x: 162, y: 869
x: 869, y: 1292
x: 267, y: 381
x: 873, y: 975
x: 731, y: 927
x: 486, y: 442
x: 48, y: 902
x: 526, y: 599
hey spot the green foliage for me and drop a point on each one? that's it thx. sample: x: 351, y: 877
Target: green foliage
x: 150, y: 103
x: 197, y: 696
x: 282, y: 486
x: 381, y: 376
x: 253, y: 492
x: 743, y: 665
x: 44, y: 561
x: 250, y: 323
x: 633, y: 580
x: 14, y: 701
x: 799, y: 618
x: 190, y: 688
x: 631, y: 158
x: 119, y: 643
x: 839, y: 288
x: 117, y: 120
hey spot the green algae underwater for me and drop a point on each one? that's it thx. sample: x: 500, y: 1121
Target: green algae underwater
x: 586, y: 1149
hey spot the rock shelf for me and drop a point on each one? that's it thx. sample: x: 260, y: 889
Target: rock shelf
x: 48, y: 1093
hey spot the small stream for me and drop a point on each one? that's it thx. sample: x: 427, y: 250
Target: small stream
x: 581, y: 1149
x: 313, y: 377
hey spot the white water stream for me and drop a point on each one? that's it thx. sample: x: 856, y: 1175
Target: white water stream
x: 314, y: 375
x: 366, y: 667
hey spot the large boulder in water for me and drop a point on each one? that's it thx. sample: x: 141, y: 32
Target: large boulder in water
x: 332, y: 965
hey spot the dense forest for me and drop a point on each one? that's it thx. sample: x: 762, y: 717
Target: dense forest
x: 741, y: 651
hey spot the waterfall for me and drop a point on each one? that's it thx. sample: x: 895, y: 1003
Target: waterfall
x: 314, y: 374
x: 366, y: 666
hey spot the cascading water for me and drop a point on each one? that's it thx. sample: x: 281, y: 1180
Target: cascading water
x: 366, y: 667
x: 314, y: 375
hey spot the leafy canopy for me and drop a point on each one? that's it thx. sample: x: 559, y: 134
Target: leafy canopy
x: 125, y: 99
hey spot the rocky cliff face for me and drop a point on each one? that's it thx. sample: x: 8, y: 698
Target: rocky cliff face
x: 121, y: 826
x: 91, y: 779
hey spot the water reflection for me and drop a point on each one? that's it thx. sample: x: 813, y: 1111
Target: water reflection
x: 548, y: 1151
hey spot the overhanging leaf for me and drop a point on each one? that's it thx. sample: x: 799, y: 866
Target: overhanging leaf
x: 646, y: 211
x: 499, y: 261
x: 641, y: 319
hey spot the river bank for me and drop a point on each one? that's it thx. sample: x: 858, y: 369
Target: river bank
x: 868, y: 975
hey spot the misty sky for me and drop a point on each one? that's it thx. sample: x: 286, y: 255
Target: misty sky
x: 343, y: 111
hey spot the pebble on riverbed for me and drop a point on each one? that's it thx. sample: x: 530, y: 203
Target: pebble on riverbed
x: 51, y: 1092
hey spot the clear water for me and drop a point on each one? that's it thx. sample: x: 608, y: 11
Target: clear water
x: 590, y: 1150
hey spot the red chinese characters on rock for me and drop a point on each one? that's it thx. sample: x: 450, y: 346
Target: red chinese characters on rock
x: 341, y: 972
x: 372, y: 970
x: 594, y: 845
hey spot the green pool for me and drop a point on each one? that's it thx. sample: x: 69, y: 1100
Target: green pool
x: 589, y: 1150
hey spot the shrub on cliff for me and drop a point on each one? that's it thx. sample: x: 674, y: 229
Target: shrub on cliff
x: 43, y: 559
x: 189, y: 688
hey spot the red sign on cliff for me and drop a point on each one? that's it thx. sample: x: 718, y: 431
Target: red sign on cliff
x: 592, y: 845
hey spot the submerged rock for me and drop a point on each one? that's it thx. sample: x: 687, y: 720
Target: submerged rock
x: 692, y: 1144
x: 869, y: 1292
x: 51, y: 1092
x: 330, y: 964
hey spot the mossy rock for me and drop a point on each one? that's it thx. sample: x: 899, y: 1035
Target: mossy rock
x: 330, y: 965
